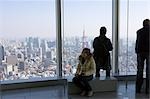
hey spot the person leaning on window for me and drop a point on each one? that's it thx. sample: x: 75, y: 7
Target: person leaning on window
x: 102, y: 45
x: 85, y: 70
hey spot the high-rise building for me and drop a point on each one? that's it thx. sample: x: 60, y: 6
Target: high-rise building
x: 1, y: 54
x: 11, y: 60
x: 20, y: 56
x: 51, y: 44
x: 21, y: 66
x: 48, y: 55
x: 36, y: 42
x: 43, y: 46
x: 29, y: 41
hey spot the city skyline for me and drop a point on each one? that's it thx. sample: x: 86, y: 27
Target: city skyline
x: 36, y: 57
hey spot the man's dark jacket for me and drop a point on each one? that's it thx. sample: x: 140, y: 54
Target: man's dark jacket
x: 142, y: 41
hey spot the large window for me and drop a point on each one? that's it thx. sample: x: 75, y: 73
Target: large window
x: 82, y: 21
x: 132, y: 14
x: 27, y: 39
x: 28, y: 35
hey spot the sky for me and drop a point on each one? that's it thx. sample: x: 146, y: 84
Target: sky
x: 24, y: 18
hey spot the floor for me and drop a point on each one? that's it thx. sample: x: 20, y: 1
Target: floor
x: 52, y: 92
x: 58, y: 92
x: 123, y: 92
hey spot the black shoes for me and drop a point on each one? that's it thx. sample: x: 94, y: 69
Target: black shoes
x: 97, y: 75
x: 147, y: 91
x: 137, y: 91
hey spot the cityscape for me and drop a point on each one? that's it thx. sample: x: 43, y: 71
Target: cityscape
x: 28, y: 39
x: 34, y: 57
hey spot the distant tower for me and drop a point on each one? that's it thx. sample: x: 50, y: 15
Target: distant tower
x: 84, y: 40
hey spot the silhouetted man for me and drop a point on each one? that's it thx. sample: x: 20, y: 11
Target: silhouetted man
x: 102, y: 45
x: 142, y: 51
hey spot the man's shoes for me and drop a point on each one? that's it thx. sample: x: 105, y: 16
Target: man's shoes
x: 138, y: 91
x: 90, y: 93
x: 147, y: 91
x: 97, y: 75
x: 83, y: 93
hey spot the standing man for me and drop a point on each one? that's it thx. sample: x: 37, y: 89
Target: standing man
x: 142, y: 51
x: 102, y: 45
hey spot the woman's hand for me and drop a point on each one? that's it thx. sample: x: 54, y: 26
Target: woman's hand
x: 76, y: 74
x: 82, y: 73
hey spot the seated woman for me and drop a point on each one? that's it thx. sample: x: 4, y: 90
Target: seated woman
x: 85, y: 70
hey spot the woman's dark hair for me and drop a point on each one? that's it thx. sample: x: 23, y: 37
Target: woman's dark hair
x: 88, y: 51
x: 81, y: 59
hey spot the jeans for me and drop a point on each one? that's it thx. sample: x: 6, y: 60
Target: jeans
x: 140, y: 67
x: 83, y: 82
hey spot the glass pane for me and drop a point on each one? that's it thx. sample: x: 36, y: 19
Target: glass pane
x: 82, y: 21
x: 27, y: 39
x: 132, y: 14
